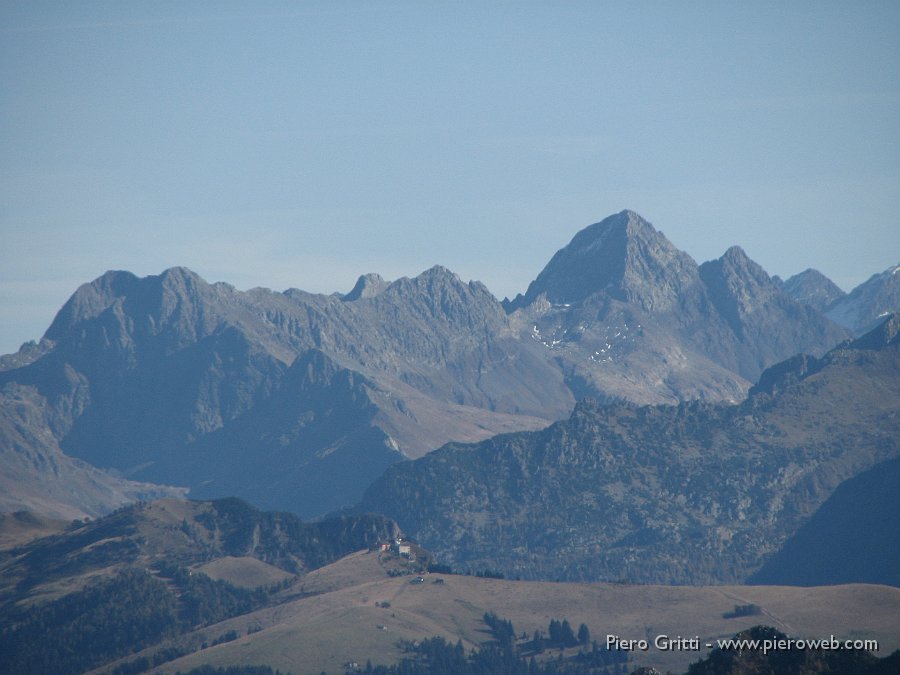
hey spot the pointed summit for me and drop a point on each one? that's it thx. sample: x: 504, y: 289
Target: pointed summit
x: 739, y: 287
x: 813, y: 288
x: 367, y: 286
x: 622, y: 255
x: 768, y: 322
x: 737, y: 274
x: 438, y: 293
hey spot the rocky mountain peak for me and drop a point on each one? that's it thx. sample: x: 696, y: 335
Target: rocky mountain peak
x: 91, y: 299
x: 367, y: 286
x: 123, y: 311
x: 443, y: 293
x: 434, y: 277
x: 612, y: 230
x: 736, y: 262
x: 439, y: 274
x: 737, y: 285
x: 623, y: 255
x: 811, y: 287
x: 180, y: 280
x: 761, y: 313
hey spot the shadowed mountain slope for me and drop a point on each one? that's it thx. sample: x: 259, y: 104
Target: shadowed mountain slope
x: 36, y: 476
x: 853, y: 537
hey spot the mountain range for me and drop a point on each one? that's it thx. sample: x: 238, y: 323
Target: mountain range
x: 633, y: 417
x: 298, y: 401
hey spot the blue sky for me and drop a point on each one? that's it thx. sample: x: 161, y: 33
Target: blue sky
x: 302, y: 144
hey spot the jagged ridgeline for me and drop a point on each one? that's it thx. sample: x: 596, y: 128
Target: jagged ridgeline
x: 292, y: 400
x: 150, y: 572
x: 694, y: 493
x: 298, y: 401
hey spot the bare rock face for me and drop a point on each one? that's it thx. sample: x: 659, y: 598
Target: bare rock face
x: 630, y: 316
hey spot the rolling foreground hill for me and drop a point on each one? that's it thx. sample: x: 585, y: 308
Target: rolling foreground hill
x: 173, y: 585
x: 150, y: 572
x: 299, y: 401
x: 695, y: 493
x: 346, y: 623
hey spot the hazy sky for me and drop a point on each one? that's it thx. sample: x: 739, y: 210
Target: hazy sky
x: 301, y: 144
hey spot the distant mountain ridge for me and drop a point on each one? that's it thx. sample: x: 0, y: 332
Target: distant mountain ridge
x: 137, y: 372
x: 174, y: 380
x: 813, y: 288
x: 860, y: 310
